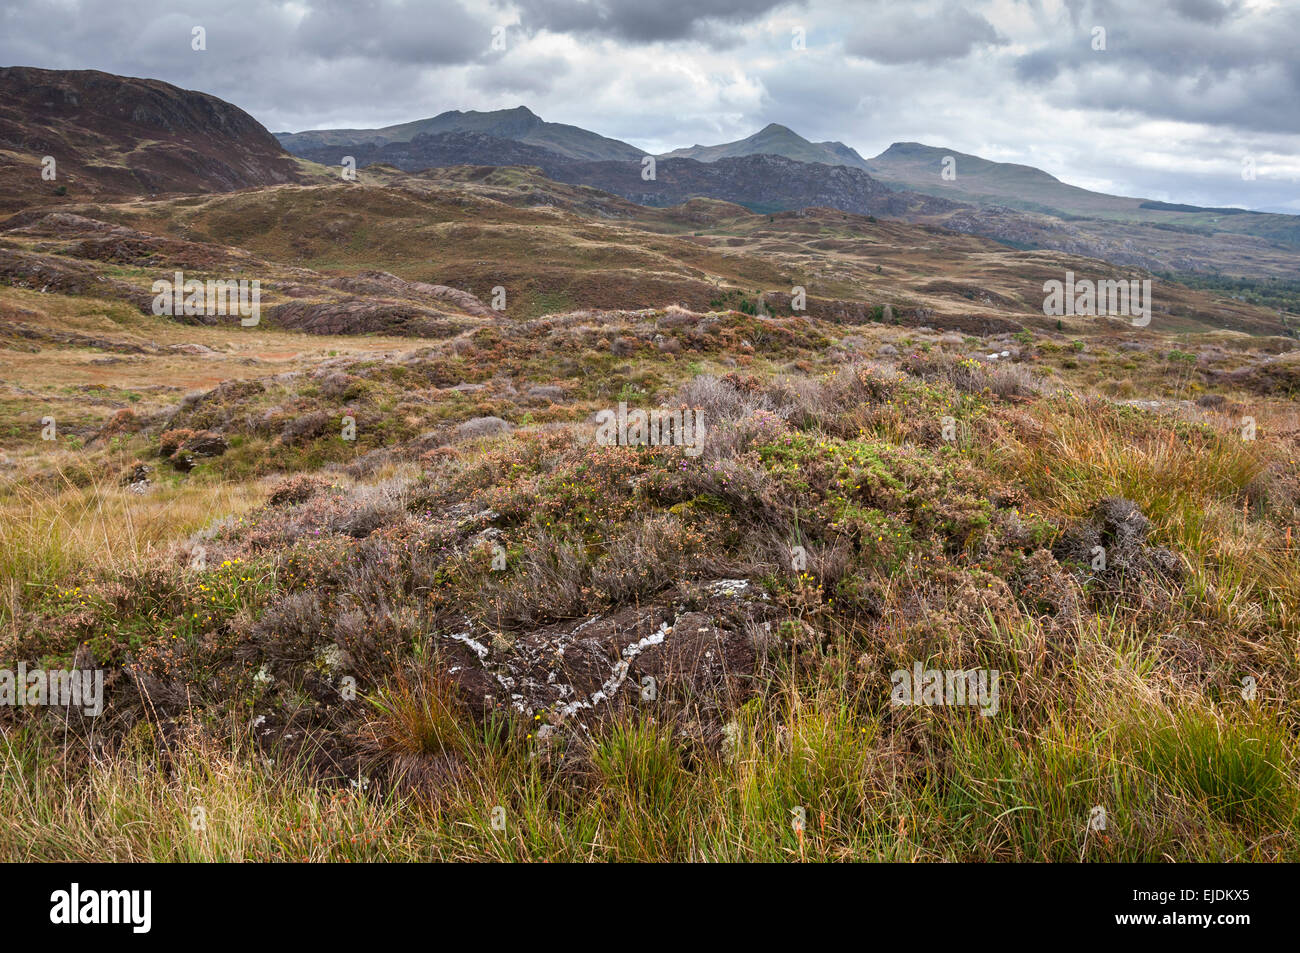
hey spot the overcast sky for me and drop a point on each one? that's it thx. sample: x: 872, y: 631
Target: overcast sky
x: 1181, y: 94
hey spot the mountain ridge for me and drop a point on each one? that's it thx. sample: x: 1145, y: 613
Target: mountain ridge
x: 519, y: 124
x: 910, y: 165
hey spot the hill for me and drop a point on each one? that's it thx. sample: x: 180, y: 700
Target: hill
x: 115, y: 135
x: 916, y: 166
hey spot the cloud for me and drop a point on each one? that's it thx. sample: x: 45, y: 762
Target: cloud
x: 1190, y: 60
x: 899, y: 34
x: 644, y: 21
x: 393, y: 31
x: 1204, y: 11
x: 535, y: 75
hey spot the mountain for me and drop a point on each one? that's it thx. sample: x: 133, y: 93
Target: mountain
x: 986, y: 184
x: 519, y: 137
x: 919, y: 167
x: 115, y: 135
x: 778, y: 140
x: 434, y: 150
x: 519, y: 125
x: 772, y: 183
x: 760, y: 182
x: 915, y: 165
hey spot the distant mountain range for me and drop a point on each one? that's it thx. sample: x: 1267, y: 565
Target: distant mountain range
x: 1016, y: 204
x: 518, y: 125
x: 912, y: 166
x: 115, y: 136
x: 764, y: 182
x: 915, y: 166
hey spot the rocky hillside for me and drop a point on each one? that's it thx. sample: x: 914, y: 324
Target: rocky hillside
x: 116, y: 136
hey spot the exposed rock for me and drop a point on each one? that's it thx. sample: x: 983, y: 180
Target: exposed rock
x: 661, y: 657
x: 545, y: 392
x: 196, y: 349
x: 381, y: 283
x: 137, y: 475
x: 204, y: 444
x: 52, y: 274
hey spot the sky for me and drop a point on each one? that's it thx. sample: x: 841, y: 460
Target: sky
x: 1176, y: 100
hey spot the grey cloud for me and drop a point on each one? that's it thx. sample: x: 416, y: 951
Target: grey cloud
x: 642, y: 21
x: 1191, y: 60
x: 671, y: 74
x: 899, y: 34
x: 1040, y: 65
x: 416, y: 32
x: 1205, y: 11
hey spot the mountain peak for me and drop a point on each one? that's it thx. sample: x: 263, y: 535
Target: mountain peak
x: 911, y: 148
x: 775, y: 139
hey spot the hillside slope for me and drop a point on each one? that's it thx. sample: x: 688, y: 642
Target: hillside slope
x: 916, y: 166
x: 115, y: 135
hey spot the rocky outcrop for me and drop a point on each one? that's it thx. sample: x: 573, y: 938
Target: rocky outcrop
x: 667, y: 658
x: 60, y: 275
